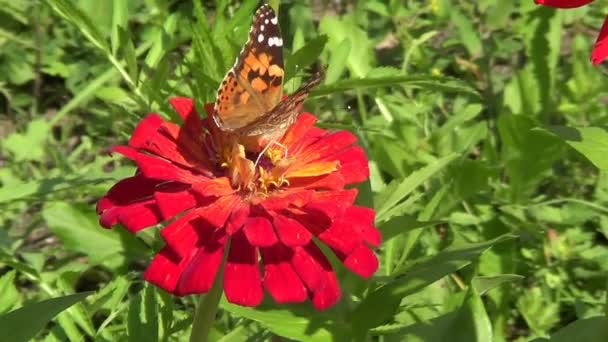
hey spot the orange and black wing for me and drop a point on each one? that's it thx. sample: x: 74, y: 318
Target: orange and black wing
x: 253, y: 87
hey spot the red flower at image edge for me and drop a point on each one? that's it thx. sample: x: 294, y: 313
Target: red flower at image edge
x: 600, y: 49
x: 214, y: 195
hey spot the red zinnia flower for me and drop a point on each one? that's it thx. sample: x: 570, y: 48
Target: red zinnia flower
x: 600, y: 49
x: 213, y: 192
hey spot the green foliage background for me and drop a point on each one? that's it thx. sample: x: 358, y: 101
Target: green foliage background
x: 485, y: 125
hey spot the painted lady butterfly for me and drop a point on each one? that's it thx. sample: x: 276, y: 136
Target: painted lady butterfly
x: 249, y: 101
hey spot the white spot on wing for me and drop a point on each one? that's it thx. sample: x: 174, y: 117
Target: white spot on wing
x: 266, y: 21
x: 260, y: 38
x: 262, y: 28
x: 274, y: 20
x: 275, y: 41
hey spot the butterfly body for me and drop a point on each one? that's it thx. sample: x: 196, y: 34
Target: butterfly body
x: 250, y: 101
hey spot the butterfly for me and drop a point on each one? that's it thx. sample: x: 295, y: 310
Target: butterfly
x: 250, y: 100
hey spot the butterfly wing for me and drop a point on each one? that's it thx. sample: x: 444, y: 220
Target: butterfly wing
x: 253, y: 86
x: 274, y: 123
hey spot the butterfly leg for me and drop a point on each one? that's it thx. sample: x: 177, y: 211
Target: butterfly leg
x: 263, y: 152
x: 285, y: 149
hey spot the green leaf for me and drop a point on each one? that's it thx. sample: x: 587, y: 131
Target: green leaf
x: 402, y: 224
x: 467, y: 324
x: 143, y: 316
x: 337, y: 61
x: 161, y: 42
x: 120, y: 19
x: 127, y: 49
x: 73, y: 14
x: 439, y: 84
x: 77, y: 227
x: 77, y: 313
x: 592, y: 329
x: 299, y: 322
x: 380, y: 304
x: 484, y: 284
x: 468, y: 34
x: 31, y: 144
x: 9, y: 296
x: 540, y: 311
x: 528, y: 154
x: 206, y: 48
x: 305, y: 56
x: 543, y: 48
x: 359, y: 59
x: 43, y: 187
x: 592, y: 142
x: 23, y: 324
x: 396, y: 192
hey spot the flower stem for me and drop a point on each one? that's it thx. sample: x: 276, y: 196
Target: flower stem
x: 204, y: 317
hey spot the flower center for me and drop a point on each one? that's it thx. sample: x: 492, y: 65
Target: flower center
x: 255, y: 174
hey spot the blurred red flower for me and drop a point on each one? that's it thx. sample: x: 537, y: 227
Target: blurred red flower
x: 214, y: 194
x: 600, y: 49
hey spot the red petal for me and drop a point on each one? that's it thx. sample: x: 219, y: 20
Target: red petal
x: 183, y: 106
x: 193, y: 124
x: 259, y: 232
x: 198, y: 276
x: 329, y: 294
x: 157, y: 168
x: 308, y: 268
x: 290, y: 231
x: 296, y: 198
x: 600, y: 49
x: 187, y: 232
x: 354, y: 166
x: 362, y: 261
x: 297, y: 131
x: 362, y: 219
x: 563, y: 3
x: 239, y: 215
x: 304, y: 135
x: 136, y: 203
x: 174, y: 200
x: 315, y: 221
x: 332, y: 203
x: 341, y: 237
x: 167, y: 140
x: 242, y: 279
x: 331, y: 181
x: 217, y: 212
x: 146, y: 128
x: 213, y: 187
x: 280, y: 280
x: 301, y: 146
x: 127, y: 191
x: 164, y: 270
x: 133, y: 217
x: 184, y: 145
x: 316, y: 273
x: 327, y: 146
